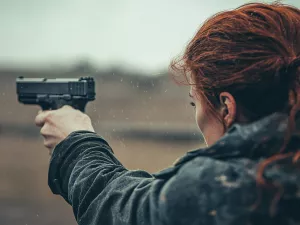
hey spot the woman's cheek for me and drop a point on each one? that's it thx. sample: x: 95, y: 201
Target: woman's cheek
x: 199, y: 119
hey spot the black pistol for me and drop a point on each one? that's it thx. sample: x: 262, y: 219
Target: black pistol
x: 52, y: 94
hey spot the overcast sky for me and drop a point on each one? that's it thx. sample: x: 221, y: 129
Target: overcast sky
x: 144, y: 34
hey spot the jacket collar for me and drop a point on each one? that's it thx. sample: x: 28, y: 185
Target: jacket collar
x: 260, y: 139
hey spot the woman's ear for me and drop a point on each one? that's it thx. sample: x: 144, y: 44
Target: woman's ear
x: 228, y: 108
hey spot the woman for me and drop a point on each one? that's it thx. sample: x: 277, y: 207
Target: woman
x: 243, y: 67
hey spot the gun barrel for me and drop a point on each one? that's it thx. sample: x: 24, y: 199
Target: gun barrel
x: 73, y: 87
x: 47, y: 91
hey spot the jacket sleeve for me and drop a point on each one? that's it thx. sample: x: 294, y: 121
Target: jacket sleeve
x: 84, y: 171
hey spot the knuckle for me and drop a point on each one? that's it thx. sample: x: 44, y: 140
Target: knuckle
x: 49, y: 116
x: 86, y: 117
x: 87, y: 120
x: 68, y: 107
x: 43, y: 131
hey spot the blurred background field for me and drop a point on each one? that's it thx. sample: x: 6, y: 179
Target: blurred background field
x: 148, y: 122
x: 126, y: 46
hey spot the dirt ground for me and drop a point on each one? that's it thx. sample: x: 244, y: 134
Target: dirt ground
x: 127, y: 118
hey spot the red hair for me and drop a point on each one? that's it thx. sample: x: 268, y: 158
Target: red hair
x: 252, y: 52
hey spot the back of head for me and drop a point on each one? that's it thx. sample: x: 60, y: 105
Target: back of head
x: 252, y: 52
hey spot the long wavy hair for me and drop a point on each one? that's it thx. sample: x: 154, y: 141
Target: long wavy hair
x: 252, y: 52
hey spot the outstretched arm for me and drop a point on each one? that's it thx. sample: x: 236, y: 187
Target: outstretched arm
x: 85, y: 172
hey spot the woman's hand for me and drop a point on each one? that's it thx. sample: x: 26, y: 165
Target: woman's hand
x: 56, y: 125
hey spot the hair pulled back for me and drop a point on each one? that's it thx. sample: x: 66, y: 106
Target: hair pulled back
x: 252, y: 52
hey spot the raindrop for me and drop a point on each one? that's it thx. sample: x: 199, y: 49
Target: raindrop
x: 122, y: 143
